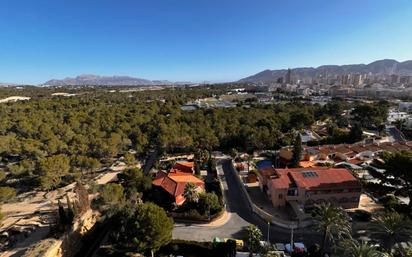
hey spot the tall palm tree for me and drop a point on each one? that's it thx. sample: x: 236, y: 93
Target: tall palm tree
x: 332, y: 222
x: 393, y: 226
x: 352, y: 248
x: 190, y: 193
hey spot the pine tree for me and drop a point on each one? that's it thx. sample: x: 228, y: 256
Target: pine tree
x: 297, y: 151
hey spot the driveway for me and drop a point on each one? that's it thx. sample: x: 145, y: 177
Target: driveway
x: 240, y: 216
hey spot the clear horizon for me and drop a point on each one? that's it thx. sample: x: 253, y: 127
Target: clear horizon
x: 213, y: 41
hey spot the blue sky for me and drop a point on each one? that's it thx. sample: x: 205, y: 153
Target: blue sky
x: 196, y: 40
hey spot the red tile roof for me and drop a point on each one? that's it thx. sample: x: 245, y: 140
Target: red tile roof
x: 356, y: 161
x: 323, y: 178
x: 282, y: 180
x: 186, y: 167
x: 174, y: 183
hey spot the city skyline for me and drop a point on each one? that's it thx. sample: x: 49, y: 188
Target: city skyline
x: 205, y: 41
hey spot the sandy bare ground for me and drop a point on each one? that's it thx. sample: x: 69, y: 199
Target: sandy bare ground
x: 33, y: 212
x: 366, y: 203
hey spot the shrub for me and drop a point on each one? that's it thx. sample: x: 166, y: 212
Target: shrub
x: 209, y: 201
x: 2, y: 175
x: 7, y: 194
x: 214, y: 187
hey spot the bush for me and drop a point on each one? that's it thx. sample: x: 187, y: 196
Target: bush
x: 7, y: 194
x: 378, y: 189
x: 208, y: 201
x: 214, y: 187
x: 390, y: 202
x: 2, y: 175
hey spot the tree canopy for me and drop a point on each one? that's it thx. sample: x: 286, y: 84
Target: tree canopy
x: 398, y: 170
x: 146, y: 227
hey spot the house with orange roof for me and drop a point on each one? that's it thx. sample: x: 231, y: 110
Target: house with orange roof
x: 359, y: 152
x: 309, y: 186
x: 174, y: 183
x: 183, y: 167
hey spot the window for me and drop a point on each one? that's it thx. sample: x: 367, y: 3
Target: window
x: 292, y: 192
x: 309, y: 174
x: 280, y: 196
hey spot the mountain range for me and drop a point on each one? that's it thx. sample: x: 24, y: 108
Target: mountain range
x: 96, y: 80
x: 386, y: 66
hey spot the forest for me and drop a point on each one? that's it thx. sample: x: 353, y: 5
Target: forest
x: 52, y: 140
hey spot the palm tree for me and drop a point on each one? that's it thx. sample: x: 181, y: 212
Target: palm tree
x: 393, y: 226
x: 402, y: 251
x: 353, y: 248
x: 332, y: 222
x: 190, y: 193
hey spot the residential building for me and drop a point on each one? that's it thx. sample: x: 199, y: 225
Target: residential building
x: 308, y: 186
x: 174, y: 181
x: 394, y: 116
x: 288, y: 77
x: 184, y: 167
x: 405, y: 106
x: 352, y: 153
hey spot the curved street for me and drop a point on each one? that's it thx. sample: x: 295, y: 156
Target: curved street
x: 240, y: 216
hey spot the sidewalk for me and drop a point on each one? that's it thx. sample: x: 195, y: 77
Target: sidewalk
x: 220, y: 221
x: 264, y: 203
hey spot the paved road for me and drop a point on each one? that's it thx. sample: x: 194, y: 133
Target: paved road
x: 240, y: 217
x: 396, y: 134
x: 150, y: 161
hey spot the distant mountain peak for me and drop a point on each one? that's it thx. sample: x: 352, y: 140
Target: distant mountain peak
x: 97, y: 80
x: 385, y: 66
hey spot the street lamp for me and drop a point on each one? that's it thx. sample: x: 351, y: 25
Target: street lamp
x: 268, y: 232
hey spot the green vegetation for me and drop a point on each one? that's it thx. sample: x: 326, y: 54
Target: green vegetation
x: 393, y: 226
x: 111, y: 198
x: 7, y: 194
x: 57, y: 140
x: 52, y: 169
x: 397, y: 170
x: 2, y: 175
x: 254, y: 235
x: 209, y: 204
x: 1, y: 214
x: 371, y: 115
x: 144, y: 228
x: 190, y: 193
x: 134, y: 181
x: 297, y: 151
x: 352, y: 248
x: 332, y: 222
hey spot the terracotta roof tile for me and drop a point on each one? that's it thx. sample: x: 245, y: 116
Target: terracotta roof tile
x: 175, y: 183
x: 319, y: 178
x: 186, y: 167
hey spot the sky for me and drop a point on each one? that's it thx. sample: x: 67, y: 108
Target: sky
x: 195, y: 40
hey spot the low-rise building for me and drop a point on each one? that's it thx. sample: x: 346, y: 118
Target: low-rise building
x: 353, y: 153
x: 309, y: 186
x: 175, y: 180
